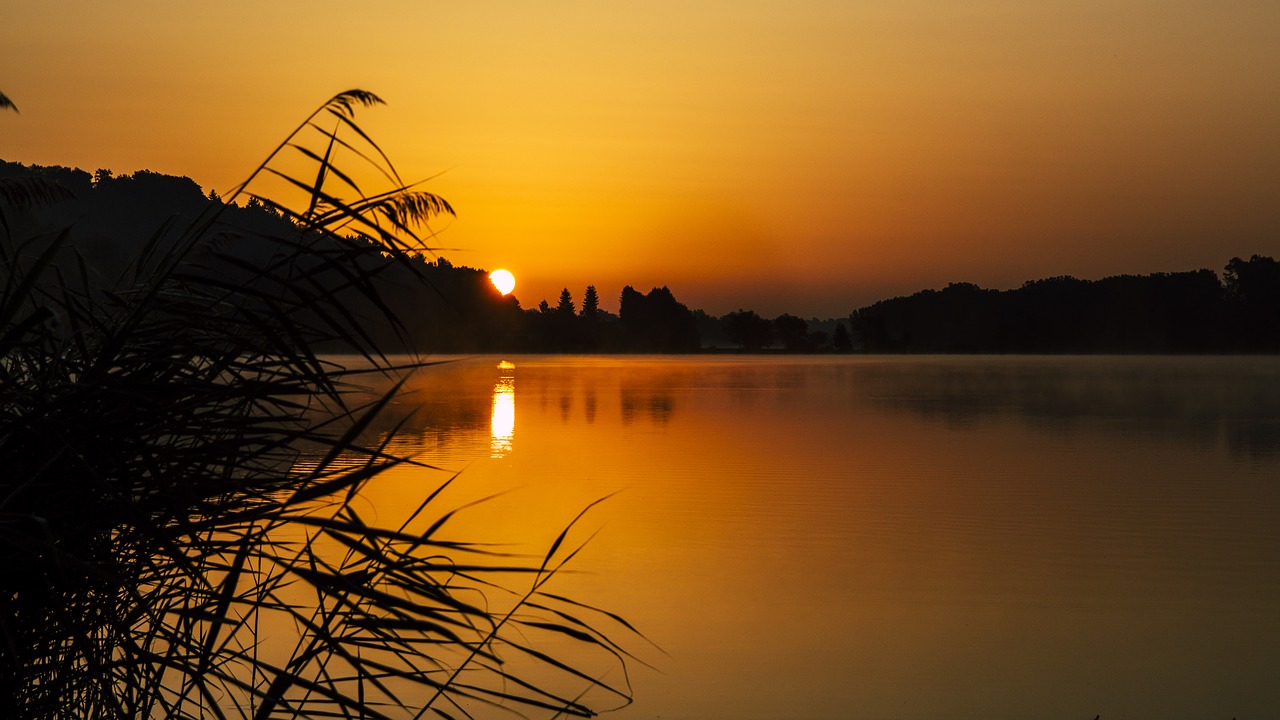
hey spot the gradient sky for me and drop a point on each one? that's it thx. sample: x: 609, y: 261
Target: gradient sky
x: 782, y: 156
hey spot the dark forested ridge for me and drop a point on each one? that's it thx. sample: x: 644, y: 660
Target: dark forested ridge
x: 1184, y: 312
x: 114, y: 222
x: 113, y: 218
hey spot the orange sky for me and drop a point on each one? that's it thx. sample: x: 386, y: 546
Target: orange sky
x: 804, y: 157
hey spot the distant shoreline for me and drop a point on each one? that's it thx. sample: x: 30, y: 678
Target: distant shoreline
x: 439, y: 306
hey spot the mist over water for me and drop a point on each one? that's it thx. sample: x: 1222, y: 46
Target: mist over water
x: 946, y: 537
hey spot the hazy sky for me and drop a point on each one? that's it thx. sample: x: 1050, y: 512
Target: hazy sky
x: 806, y: 157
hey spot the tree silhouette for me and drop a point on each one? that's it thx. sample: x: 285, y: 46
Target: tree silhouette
x: 565, y: 306
x: 590, y: 330
x: 111, y: 218
x: 748, y: 330
x: 793, y: 333
x: 1253, y: 290
x: 841, y: 341
x: 590, y: 303
x: 1158, y: 313
x: 657, y: 322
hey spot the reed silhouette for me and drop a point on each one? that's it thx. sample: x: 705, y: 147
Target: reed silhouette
x: 179, y: 532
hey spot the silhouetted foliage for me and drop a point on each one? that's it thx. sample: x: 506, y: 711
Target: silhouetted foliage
x: 1159, y: 313
x: 564, y: 306
x: 710, y: 330
x: 841, y: 341
x: 181, y: 465
x: 590, y: 303
x: 793, y: 333
x: 112, y: 218
x: 656, y: 322
x: 1253, y: 293
x: 590, y: 324
x: 748, y: 330
x: 566, y: 335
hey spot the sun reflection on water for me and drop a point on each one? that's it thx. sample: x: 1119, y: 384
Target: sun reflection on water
x: 502, y: 424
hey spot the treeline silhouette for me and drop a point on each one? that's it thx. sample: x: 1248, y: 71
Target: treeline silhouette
x: 1185, y: 312
x: 115, y: 218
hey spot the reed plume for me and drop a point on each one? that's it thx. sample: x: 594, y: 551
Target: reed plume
x: 179, y: 529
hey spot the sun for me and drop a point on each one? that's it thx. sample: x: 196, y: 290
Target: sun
x: 503, y: 280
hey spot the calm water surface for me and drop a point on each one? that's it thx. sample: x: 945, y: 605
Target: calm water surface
x: 887, y: 537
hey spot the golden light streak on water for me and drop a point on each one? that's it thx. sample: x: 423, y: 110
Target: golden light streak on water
x: 502, y: 423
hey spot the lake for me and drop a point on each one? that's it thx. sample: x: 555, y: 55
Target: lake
x: 890, y: 537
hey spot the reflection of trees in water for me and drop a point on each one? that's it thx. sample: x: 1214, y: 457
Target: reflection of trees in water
x: 1232, y: 401
x: 448, y: 405
x: 657, y: 406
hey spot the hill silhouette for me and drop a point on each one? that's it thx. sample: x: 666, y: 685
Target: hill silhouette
x: 1185, y: 312
x: 112, y: 220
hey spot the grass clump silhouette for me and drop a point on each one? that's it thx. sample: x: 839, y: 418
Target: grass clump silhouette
x: 179, y: 535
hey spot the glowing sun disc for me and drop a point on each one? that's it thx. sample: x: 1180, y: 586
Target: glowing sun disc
x: 503, y: 280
